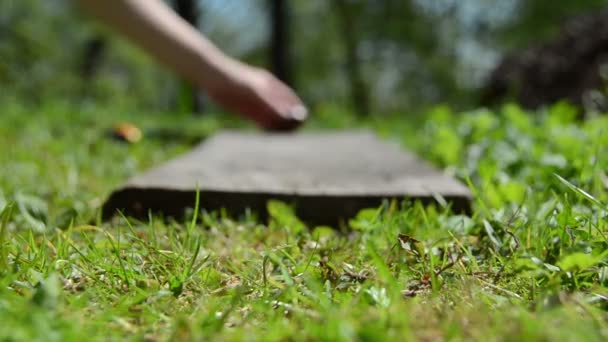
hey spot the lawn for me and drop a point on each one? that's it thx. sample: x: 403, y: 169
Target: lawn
x: 529, y: 263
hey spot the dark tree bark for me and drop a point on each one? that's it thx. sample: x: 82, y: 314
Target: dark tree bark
x: 189, y: 97
x: 358, y: 87
x: 280, y: 47
x: 188, y: 9
x: 91, y: 60
x: 568, y: 67
x: 92, y: 57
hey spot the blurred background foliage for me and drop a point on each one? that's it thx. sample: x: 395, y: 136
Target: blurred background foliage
x: 381, y: 56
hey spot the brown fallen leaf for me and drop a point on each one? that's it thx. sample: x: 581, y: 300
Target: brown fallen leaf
x: 127, y: 132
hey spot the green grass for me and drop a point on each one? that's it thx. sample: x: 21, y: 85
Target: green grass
x: 530, y: 263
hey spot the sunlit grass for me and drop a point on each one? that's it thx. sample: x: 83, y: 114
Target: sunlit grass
x: 529, y: 263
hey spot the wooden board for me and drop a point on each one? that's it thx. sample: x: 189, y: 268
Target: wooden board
x: 327, y: 176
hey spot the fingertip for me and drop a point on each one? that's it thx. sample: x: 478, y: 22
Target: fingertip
x: 298, y: 113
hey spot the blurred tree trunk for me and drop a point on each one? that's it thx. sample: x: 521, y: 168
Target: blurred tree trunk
x: 93, y: 54
x: 189, y: 96
x: 358, y: 88
x: 188, y: 9
x: 280, y: 51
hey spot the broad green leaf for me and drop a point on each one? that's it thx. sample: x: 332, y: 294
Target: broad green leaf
x: 47, y: 292
x: 366, y: 219
x: 33, y: 210
x: 285, y: 216
x: 579, y: 261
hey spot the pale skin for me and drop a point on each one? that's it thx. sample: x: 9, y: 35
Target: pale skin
x: 250, y: 91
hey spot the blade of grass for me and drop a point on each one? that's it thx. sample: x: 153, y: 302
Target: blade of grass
x: 586, y: 196
x: 4, y: 219
x: 580, y: 191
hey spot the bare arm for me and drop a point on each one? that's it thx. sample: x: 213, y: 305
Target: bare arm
x: 156, y: 28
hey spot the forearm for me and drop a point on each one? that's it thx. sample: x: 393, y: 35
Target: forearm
x: 250, y: 91
x: 156, y: 28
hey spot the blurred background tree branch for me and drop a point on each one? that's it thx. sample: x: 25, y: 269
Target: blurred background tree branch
x: 376, y: 57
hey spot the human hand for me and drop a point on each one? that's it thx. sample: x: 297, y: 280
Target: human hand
x: 249, y: 91
x: 258, y: 95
